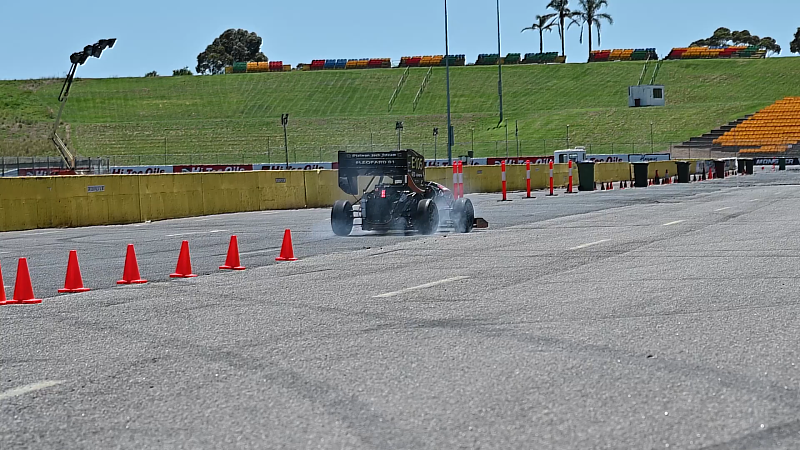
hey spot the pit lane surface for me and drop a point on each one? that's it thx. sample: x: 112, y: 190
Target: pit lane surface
x: 625, y: 319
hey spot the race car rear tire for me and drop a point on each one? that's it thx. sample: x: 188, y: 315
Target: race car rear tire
x: 463, y: 215
x: 427, y: 219
x: 342, y: 218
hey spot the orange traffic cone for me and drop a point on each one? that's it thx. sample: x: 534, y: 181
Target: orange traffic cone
x: 2, y: 289
x: 23, y: 290
x: 131, y: 273
x: 74, y: 281
x: 287, y: 252
x: 184, y: 268
x: 232, y: 261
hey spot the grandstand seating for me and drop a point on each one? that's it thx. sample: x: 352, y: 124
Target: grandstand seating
x: 639, y: 54
x: 543, y: 58
x: 257, y: 67
x: 770, y: 130
x: 488, y: 59
x: 716, y: 52
x: 347, y: 64
x: 431, y: 61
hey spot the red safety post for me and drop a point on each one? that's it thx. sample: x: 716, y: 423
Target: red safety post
x: 528, y: 177
x: 461, y: 179
x: 455, y: 179
x: 551, y: 180
x: 503, y: 171
x: 569, y: 188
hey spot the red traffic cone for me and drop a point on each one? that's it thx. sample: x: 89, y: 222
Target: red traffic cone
x: 184, y: 268
x: 287, y: 252
x: 3, y: 300
x: 74, y: 281
x: 23, y: 290
x: 131, y: 273
x: 232, y: 261
x: 602, y: 186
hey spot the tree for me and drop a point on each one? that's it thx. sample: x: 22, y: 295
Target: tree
x: 182, y: 72
x: 724, y: 36
x: 152, y: 74
x: 563, y: 13
x: 231, y: 46
x: 794, y: 46
x: 591, y: 16
x: 541, y: 24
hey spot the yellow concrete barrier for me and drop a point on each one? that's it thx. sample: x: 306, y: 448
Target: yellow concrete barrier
x: 281, y: 189
x: 170, y: 196
x: 322, y: 188
x: 227, y: 192
x: 42, y: 202
x: 662, y: 167
x: 606, y: 172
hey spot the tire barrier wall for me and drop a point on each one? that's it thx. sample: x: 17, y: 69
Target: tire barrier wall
x: 76, y: 201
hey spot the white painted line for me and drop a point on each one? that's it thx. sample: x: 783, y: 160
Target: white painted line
x: 589, y: 244
x: 196, y: 232
x: 421, y: 286
x: 29, y: 388
x: 755, y: 200
x: 41, y: 233
x: 673, y: 223
x: 722, y: 209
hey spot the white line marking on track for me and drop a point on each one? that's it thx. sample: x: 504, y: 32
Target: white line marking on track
x: 421, y: 286
x: 22, y: 390
x: 722, y: 209
x: 196, y: 232
x: 589, y: 244
x: 755, y: 200
x: 673, y: 223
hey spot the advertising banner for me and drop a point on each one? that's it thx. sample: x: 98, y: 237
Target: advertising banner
x: 139, y: 170
x: 212, y: 168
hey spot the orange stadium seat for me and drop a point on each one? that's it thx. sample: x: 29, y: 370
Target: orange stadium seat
x: 771, y: 130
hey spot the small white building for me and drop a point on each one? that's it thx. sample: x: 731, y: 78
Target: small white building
x: 646, y: 95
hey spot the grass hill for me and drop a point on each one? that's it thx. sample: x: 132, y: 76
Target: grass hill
x: 235, y: 117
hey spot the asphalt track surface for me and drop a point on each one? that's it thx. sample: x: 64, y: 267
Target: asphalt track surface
x: 664, y: 317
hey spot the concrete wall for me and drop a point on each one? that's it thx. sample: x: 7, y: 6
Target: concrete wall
x: 74, y: 201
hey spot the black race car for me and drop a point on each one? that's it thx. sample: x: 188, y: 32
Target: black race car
x: 395, y: 196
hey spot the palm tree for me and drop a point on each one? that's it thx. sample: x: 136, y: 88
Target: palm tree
x: 542, y: 25
x: 590, y: 15
x: 562, y: 14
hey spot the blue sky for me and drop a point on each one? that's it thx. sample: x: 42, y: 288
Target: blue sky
x: 168, y: 34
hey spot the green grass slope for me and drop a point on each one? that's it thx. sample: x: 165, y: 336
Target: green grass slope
x: 237, y: 117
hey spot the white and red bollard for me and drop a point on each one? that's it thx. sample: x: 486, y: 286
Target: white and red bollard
x: 461, y: 179
x: 455, y: 180
x: 552, y: 194
x: 569, y: 187
x: 528, y: 177
x: 503, y: 172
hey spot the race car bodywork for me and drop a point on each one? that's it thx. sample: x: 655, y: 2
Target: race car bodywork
x: 396, y: 196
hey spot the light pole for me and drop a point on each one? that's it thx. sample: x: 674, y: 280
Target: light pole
x: 499, y: 65
x: 399, y: 127
x: 447, y: 76
x: 651, y: 137
x: 568, y: 137
x: 77, y: 59
x: 435, y: 139
x: 284, y: 122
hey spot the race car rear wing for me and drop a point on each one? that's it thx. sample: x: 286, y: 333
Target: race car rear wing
x: 402, y: 163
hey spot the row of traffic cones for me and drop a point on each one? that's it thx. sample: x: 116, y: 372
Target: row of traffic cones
x: 23, y: 288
